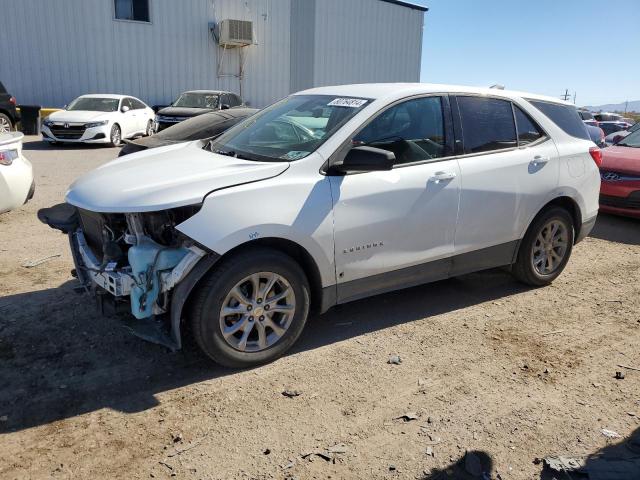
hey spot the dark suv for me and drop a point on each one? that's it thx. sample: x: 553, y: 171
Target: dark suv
x: 193, y: 103
x: 8, y: 114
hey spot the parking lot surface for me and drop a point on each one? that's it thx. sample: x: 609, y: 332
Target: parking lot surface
x: 487, y: 365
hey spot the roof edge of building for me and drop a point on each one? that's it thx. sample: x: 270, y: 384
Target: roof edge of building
x: 402, y: 3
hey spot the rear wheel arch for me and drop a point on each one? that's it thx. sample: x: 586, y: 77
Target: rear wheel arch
x: 565, y: 202
x: 544, y: 251
x: 571, y: 206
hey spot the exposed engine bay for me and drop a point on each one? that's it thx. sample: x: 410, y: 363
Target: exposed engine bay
x: 136, y: 257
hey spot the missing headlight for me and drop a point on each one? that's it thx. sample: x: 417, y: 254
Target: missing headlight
x: 160, y: 226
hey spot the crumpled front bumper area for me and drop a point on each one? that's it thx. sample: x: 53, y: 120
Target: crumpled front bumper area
x: 143, y: 277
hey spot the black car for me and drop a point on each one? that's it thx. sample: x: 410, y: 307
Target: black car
x: 193, y: 103
x: 203, y: 126
x: 8, y: 114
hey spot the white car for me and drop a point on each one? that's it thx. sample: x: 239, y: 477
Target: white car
x: 99, y: 119
x: 399, y: 185
x: 16, y: 174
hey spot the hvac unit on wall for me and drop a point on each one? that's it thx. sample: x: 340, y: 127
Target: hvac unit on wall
x: 235, y: 33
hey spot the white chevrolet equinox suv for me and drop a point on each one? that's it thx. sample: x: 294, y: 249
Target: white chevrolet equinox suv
x: 327, y: 196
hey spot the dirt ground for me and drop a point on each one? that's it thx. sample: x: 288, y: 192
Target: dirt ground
x: 489, y: 366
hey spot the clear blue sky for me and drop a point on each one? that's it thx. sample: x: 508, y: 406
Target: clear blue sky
x: 591, y: 47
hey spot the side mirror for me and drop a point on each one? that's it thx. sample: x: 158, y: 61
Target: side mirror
x: 617, y: 138
x: 225, y: 106
x: 124, y: 109
x: 366, y: 159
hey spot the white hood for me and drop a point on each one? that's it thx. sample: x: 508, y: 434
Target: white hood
x: 161, y: 178
x: 78, y: 116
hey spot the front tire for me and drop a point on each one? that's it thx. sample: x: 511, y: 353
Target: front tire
x: 251, y: 308
x: 115, y: 136
x: 5, y: 124
x: 546, y: 248
x: 149, y: 128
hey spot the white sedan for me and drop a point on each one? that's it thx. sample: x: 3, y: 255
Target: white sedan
x: 16, y: 174
x: 99, y: 119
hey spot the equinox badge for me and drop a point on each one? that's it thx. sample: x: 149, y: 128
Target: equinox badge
x: 363, y: 247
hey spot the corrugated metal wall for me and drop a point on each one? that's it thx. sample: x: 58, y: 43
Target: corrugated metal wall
x: 59, y: 49
x: 366, y: 40
x: 75, y: 47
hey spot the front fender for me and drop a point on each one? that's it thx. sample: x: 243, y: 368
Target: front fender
x: 182, y: 292
x: 290, y: 207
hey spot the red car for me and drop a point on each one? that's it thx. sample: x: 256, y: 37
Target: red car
x: 620, y: 174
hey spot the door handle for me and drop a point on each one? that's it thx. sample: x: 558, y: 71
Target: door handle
x: 442, y: 176
x: 539, y: 160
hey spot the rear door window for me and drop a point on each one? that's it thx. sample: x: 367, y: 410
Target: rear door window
x: 528, y: 130
x: 487, y: 124
x: 564, y: 116
x: 137, y: 104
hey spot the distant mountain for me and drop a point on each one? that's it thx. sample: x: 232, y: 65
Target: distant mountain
x: 619, y: 107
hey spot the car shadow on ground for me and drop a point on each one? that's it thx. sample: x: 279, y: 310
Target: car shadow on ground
x: 33, y: 143
x: 60, y: 358
x: 618, y: 461
x: 618, y: 229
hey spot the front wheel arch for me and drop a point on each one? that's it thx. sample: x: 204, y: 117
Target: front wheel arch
x: 115, y: 124
x: 321, y: 299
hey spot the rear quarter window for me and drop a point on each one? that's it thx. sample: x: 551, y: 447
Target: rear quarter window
x: 564, y: 116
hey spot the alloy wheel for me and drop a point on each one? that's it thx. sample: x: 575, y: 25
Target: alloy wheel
x: 550, y: 247
x: 257, y: 312
x: 5, y: 125
x: 115, y: 135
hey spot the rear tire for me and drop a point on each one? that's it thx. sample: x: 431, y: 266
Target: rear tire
x: 545, y: 248
x: 115, y: 136
x: 265, y: 326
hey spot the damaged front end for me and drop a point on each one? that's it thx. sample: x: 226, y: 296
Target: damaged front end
x: 133, y: 261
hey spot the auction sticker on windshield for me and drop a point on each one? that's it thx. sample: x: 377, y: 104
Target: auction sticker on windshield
x: 347, y: 102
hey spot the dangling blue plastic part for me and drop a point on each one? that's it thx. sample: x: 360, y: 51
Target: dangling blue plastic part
x: 147, y: 260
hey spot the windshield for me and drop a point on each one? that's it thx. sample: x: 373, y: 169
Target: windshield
x: 290, y: 129
x: 197, y: 100
x: 632, y: 140
x: 94, y: 104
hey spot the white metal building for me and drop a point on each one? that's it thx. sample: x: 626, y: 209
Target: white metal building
x: 155, y: 49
